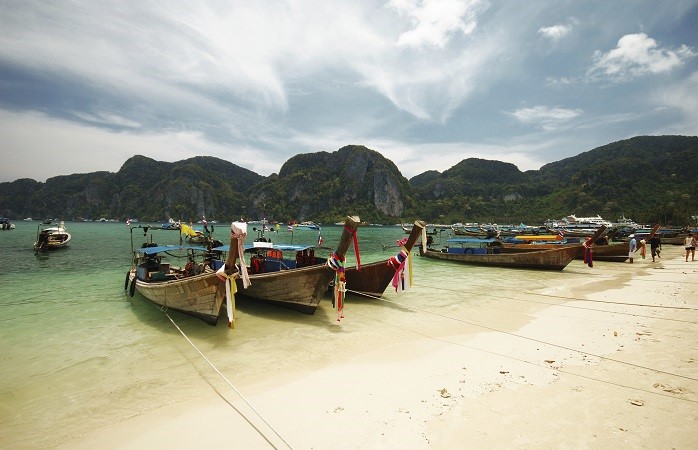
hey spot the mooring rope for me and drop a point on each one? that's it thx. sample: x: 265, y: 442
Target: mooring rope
x: 525, y: 361
x: 233, y: 388
x: 538, y: 340
x: 461, y: 291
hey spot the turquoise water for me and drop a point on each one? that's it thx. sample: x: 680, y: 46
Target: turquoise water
x: 79, y: 354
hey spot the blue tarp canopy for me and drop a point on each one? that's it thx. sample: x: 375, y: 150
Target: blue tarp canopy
x: 168, y: 248
x: 470, y: 241
x: 282, y: 247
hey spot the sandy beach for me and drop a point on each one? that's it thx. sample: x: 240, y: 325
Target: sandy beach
x: 607, y: 361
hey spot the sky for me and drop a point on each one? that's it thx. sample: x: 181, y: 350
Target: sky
x: 85, y: 85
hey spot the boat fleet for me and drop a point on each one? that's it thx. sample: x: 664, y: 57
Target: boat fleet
x: 198, y: 275
x: 297, y: 277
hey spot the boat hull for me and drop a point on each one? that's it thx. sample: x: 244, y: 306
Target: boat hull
x: 200, y: 296
x: 371, y: 281
x: 297, y: 289
x: 615, y: 252
x: 554, y: 259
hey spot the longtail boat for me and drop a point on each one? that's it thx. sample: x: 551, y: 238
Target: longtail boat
x: 191, y: 288
x: 372, y: 279
x: 601, y: 251
x: 298, y: 282
x: 487, y: 252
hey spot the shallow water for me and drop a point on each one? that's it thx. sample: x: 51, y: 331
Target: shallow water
x: 78, y: 353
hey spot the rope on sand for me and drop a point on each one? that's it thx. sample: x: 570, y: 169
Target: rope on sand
x: 233, y: 388
x: 557, y: 369
x: 537, y: 340
x: 687, y: 308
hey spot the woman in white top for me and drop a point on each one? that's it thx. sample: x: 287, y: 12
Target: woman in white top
x: 690, y: 245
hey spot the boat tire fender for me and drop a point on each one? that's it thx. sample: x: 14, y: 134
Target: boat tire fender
x: 126, y: 281
x: 469, y: 251
x: 132, y: 289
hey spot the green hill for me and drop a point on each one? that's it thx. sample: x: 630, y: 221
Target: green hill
x: 646, y: 178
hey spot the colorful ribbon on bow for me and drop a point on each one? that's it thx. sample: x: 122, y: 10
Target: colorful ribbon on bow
x: 238, y: 231
x: 230, y: 291
x: 401, y: 262
x: 588, y: 253
x: 336, y: 263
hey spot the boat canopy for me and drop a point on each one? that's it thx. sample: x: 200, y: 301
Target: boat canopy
x: 168, y: 248
x: 470, y: 241
x: 282, y: 247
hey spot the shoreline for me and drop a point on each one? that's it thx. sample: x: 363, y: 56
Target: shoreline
x: 566, y: 378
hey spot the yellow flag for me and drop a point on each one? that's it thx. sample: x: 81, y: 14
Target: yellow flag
x: 186, y: 229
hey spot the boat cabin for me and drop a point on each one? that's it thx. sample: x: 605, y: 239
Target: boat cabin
x: 266, y: 257
x: 150, y: 265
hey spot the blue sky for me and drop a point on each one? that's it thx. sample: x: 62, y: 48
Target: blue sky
x: 85, y: 85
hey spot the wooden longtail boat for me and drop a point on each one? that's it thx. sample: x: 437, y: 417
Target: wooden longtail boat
x: 298, y: 283
x: 616, y: 251
x: 372, y: 279
x: 192, y: 289
x: 488, y: 253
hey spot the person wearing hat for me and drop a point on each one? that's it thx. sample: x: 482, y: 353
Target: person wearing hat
x: 632, y: 248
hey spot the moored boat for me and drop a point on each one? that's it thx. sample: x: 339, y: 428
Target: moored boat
x: 51, y: 238
x: 297, y: 282
x: 190, y: 285
x: 372, y: 279
x: 5, y: 224
x: 487, y: 252
x: 614, y: 251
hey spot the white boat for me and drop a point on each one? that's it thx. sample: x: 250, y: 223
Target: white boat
x: 51, y: 238
x: 5, y: 224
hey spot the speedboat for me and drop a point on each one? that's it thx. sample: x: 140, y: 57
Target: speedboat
x: 51, y: 238
x: 5, y: 224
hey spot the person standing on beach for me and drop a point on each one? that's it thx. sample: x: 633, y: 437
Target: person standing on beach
x: 690, y: 245
x: 655, y: 246
x: 632, y: 248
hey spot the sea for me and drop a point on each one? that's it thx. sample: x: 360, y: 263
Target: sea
x: 78, y: 353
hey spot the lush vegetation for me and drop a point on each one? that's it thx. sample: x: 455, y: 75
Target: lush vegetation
x: 646, y: 178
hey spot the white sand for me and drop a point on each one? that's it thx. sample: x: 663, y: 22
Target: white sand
x: 543, y: 385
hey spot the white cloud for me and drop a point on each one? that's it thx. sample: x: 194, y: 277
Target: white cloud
x: 44, y: 155
x: 635, y: 55
x: 546, y: 117
x: 555, y: 32
x: 435, y: 22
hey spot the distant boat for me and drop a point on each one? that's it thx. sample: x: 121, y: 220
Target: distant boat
x: 5, y: 224
x: 51, y: 238
x: 306, y: 226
